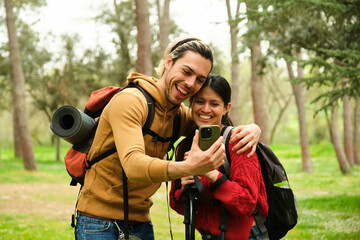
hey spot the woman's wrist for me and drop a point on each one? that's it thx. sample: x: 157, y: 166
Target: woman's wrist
x: 212, y: 175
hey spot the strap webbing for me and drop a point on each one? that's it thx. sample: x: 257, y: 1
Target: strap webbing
x: 100, y: 157
x: 192, y: 193
x: 126, y: 206
x: 223, y: 222
x: 260, y: 222
x: 226, y: 136
x: 226, y: 167
x: 218, y: 182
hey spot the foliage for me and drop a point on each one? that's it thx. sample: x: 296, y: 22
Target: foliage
x: 5, y: 92
x: 121, y: 19
x: 38, y: 205
x: 328, y: 30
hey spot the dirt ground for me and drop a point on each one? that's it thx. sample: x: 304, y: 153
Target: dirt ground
x: 57, y: 200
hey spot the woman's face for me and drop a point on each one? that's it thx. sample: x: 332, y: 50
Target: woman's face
x: 208, y: 108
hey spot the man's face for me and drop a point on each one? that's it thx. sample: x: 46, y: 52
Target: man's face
x: 185, y: 77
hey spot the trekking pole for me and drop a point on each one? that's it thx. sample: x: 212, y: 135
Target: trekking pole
x: 193, y: 205
x: 187, y: 216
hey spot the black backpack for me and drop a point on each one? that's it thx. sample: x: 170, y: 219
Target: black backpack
x: 282, y: 215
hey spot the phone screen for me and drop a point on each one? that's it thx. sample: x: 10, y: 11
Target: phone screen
x: 208, y: 135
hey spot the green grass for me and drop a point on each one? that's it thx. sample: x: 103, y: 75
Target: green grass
x: 38, y: 205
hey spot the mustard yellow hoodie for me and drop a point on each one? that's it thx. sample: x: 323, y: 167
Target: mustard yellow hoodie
x: 121, y: 125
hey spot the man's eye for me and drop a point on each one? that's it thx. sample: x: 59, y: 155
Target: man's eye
x: 187, y: 72
x: 200, y: 80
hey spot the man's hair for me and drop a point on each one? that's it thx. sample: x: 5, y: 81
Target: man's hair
x: 177, y: 49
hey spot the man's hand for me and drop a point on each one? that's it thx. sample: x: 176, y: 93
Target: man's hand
x: 198, y: 162
x: 249, y: 135
x: 205, y: 161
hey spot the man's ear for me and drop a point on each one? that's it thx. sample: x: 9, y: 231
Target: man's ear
x: 168, y: 62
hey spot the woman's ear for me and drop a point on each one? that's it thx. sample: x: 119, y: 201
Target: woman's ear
x: 227, y: 108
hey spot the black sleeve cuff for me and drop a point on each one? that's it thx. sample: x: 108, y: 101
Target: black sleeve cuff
x: 218, y: 182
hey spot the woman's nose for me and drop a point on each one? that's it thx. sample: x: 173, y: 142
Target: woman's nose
x: 206, y: 107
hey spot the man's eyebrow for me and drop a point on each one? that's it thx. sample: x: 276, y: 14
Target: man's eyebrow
x: 193, y: 72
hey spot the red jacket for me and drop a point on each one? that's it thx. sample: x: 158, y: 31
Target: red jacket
x: 240, y: 195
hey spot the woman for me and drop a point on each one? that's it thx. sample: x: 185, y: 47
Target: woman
x: 241, y: 193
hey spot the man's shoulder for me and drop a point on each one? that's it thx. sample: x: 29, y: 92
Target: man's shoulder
x: 128, y: 100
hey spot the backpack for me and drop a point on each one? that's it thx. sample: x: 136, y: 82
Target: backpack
x: 282, y: 215
x: 79, y: 129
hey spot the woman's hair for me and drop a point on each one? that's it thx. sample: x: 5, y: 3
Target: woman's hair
x: 221, y: 86
x: 178, y: 48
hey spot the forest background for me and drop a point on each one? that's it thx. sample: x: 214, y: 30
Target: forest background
x: 293, y: 67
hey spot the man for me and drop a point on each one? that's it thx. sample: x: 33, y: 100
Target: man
x: 101, y: 208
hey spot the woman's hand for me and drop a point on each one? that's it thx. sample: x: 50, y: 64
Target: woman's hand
x: 187, y: 180
x: 249, y: 135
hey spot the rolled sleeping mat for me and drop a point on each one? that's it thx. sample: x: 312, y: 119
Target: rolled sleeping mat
x: 71, y: 124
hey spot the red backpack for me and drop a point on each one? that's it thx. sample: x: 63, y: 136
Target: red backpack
x: 79, y: 129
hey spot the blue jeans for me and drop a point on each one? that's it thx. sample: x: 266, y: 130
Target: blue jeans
x: 255, y: 233
x: 88, y: 228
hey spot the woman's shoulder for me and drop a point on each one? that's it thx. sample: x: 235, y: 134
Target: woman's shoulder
x: 241, y: 158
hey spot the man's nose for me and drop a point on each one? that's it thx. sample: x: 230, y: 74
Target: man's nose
x: 190, y: 82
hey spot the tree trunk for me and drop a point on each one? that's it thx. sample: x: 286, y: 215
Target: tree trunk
x: 235, y: 107
x: 340, y: 154
x: 20, y: 114
x: 300, y: 98
x: 348, y: 139
x: 16, y: 134
x: 144, y: 60
x: 357, y: 131
x: 258, y: 94
x: 164, y: 24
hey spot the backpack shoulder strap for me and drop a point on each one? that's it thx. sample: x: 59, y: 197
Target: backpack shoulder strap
x: 151, y: 106
x: 171, y: 155
x: 151, y: 112
x: 260, y: 222
x: 226, y: 167
x: 176, y: 129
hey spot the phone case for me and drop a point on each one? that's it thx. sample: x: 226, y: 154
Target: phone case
x: 207, y: 138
